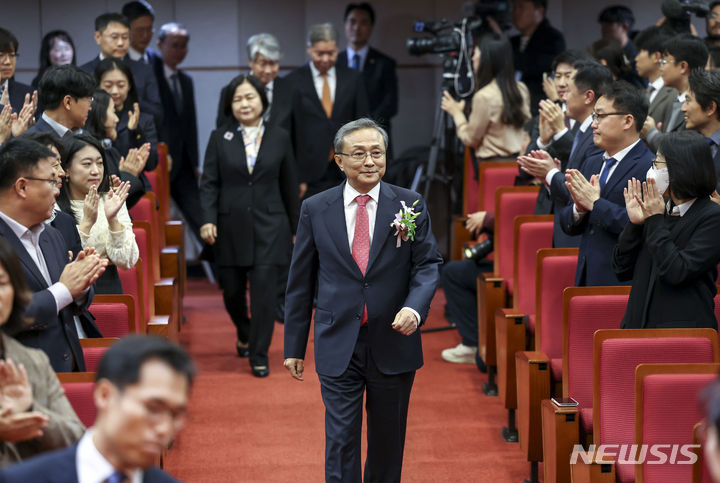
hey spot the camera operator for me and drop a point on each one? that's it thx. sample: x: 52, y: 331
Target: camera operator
x: 712, y: 25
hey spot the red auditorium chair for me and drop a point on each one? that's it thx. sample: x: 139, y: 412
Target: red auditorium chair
x: 160, y: 181
x: 495, y: 289
x: 700, y: 471
x: 479, y: 195
x: 616, y: 355
x: 78, y: 388
x: 133, y: 284
x: 539, y: 372
x: 666, y: 412
x: 114, y: 314
x: 585, y: 310
x: 530, y: 234
x: 94, y: 349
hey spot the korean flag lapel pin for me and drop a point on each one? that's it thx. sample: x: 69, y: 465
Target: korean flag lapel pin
x: 228, y: 135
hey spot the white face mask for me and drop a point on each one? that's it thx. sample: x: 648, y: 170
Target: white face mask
x: 661, y: 177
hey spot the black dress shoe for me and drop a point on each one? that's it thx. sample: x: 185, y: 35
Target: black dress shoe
x: 260, y: 371
x: 243, y: 350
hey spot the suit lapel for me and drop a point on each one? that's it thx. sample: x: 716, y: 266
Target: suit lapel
x: 309, y: 88
x: 337, y: 227
x: 235, y: 149
x: 22, y: 254
x: 385, y: 213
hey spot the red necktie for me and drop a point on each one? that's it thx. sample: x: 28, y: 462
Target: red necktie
x: 361, y: 241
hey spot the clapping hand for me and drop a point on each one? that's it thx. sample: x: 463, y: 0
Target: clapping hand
x: 90, y: 210
x: 16, y: 427
x: 135, y: 160
x: 550, y: 89
x: 21, y: 121
x: 15, y: 390
x: 134, y: 117
x: 583, y: 192
x: 113, y: 202
x: 5, y: 98
x: 634, y: 209
x: 5, y: 123
x: 652, y: 202
x: 538, y: 163
x: 83, y: 272
x: 552, y: 120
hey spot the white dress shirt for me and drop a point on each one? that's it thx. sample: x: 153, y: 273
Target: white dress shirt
x: 363, y: 53
x: 91, y: 465
x: 57, y: 127
x: 351, y: 206
x: 137, y: 56
x: 319, y: 81
x: 657, y: 84
x: 681, y: 209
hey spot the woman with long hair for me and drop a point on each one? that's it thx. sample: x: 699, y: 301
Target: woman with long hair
x: 56, y: 48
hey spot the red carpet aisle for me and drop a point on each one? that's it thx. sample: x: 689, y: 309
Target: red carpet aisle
x: 244, y: 429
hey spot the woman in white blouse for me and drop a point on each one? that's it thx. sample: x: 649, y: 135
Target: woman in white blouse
x: 100, y: 212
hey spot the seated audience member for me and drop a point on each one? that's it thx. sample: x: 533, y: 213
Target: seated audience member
x: 20, y: 95
x: 56, y: 48
x: 36, y: 415
x: 702, y: 111
x: 141, y: 16
x: 712, y: 25
x: 61, y: 288
x: 141, y: 394
x: 112, y: 34
x: 102, y: 125
x: 610, y: 54
x: 100, y: 212
x: 681, y: 54
x: 616, y: 23
x: 713, y: 62
x: 670, y: 251
x: 264, y: 56
x: 535, y: 47
x: 660, y: 97
x: 135, y: 128
x: 596, y: 210
x: 583, y: 91
x: 66, y: 94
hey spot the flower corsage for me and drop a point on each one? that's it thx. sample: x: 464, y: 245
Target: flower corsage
x: 404, y: 223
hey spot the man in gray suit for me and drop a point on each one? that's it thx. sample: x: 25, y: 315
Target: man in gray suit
x: 649, y: 44
x: 702, y: 110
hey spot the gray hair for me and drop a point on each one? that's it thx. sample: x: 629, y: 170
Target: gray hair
x: 172, y: 28
x: 356, y: 125
x: 266, y: 45
x: 322, y: 32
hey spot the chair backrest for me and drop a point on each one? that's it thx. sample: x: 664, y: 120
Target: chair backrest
x: 510, y: 201
x: 146, y: 210
x: 666, y: 411
x: 585, y: 310
x: 531, y: 233
x: 555, y: 272
x: 491, y: 176
x: 94, y: 349
x: 133, y: 282
x: 78, y: 388
x: 145, y: 242
x: 616, y: 354
x: 470, y: 184
x: 114, y: 314
x: 162, y: 175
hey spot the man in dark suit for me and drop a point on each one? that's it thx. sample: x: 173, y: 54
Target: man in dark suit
x: 583, y: 91
x: 17, y: 91
x: 141, y: 16
x: 649, y: 45
x: 702, y: 111
x: 616, y: 23
x: 596, y: 210
x: 326, y: 97
x: 61, y: 289
x: 66, y: 93
x: 535, y: 47
x: 681, y: 55
x: 379, y: 69
x: 374, y: 289
x: 264, y: 61
x: 112, y: 34
x: 141, y: 394
x: 179, y: 127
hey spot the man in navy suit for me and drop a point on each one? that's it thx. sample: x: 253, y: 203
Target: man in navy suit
x: 584, y: 87
x: 112, y: 34
x: 17, y: 91
x: 141, y: 16
x: 62, y: 290
x: 326, y: 96
x: 141, y: 394
x: 596, y: 210
x: 373, y: 292
x: 379, y: 69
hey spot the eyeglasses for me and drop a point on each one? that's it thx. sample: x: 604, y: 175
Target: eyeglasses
x: 657, y: 163
x: 8, y: 55
x: 53, y: 181
x: 361, y: 155
x: 664, y: 62
x: 597, y: 117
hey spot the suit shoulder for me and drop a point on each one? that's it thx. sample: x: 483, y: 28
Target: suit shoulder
x: 41, y: 467
x: 405, y: 194
x: 382, y: 57
x: 156, y: 475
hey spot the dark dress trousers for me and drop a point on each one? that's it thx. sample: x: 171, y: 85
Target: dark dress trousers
x: 672, y: 262
x: 256, y: 215
x: 600, y: 228
x: 314, y: 132
x: 350, y: 359
x: 280, y: 113
x: 60, y: 467
x: 52, y: 332
x: 16, y: 93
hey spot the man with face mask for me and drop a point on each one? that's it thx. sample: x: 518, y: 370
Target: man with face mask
x: 702, y: 111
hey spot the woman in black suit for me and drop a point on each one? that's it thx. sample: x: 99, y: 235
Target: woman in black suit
x: 670, y: 250
x: 249, y: 197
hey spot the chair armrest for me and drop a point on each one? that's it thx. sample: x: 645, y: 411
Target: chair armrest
x: 595, y: 471
x: 174, y: 233
x: 509, y: 339
x: 533, y: 385
x: 490, y: 297
x: 158, y: 325
x: 560, y: 433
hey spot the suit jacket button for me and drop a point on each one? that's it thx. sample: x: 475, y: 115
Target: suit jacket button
x: 66, y: 356
x: 358, y: 316
x: 249, y: 183
x: 366, y: 285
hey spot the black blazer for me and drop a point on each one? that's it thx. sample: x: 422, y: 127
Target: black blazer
x: 145, y: 133
x: 381, y: 83
x: 16, y: 92
x: 255, y: 214
x: 179, y: 129
x: 672, y: 262
x: 145, y: 85
x: 137, y: 185
x: 601, y: 227
x: 313, y: 131
x: 280, y: 113
x: 67, y: 227
x: 60, y: 467
x: 53, y: 333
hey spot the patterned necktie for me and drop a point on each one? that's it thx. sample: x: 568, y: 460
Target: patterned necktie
x: 326, y: 99
x: 606, y: 171
x: 361, y: 241
x: 356, y: 62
